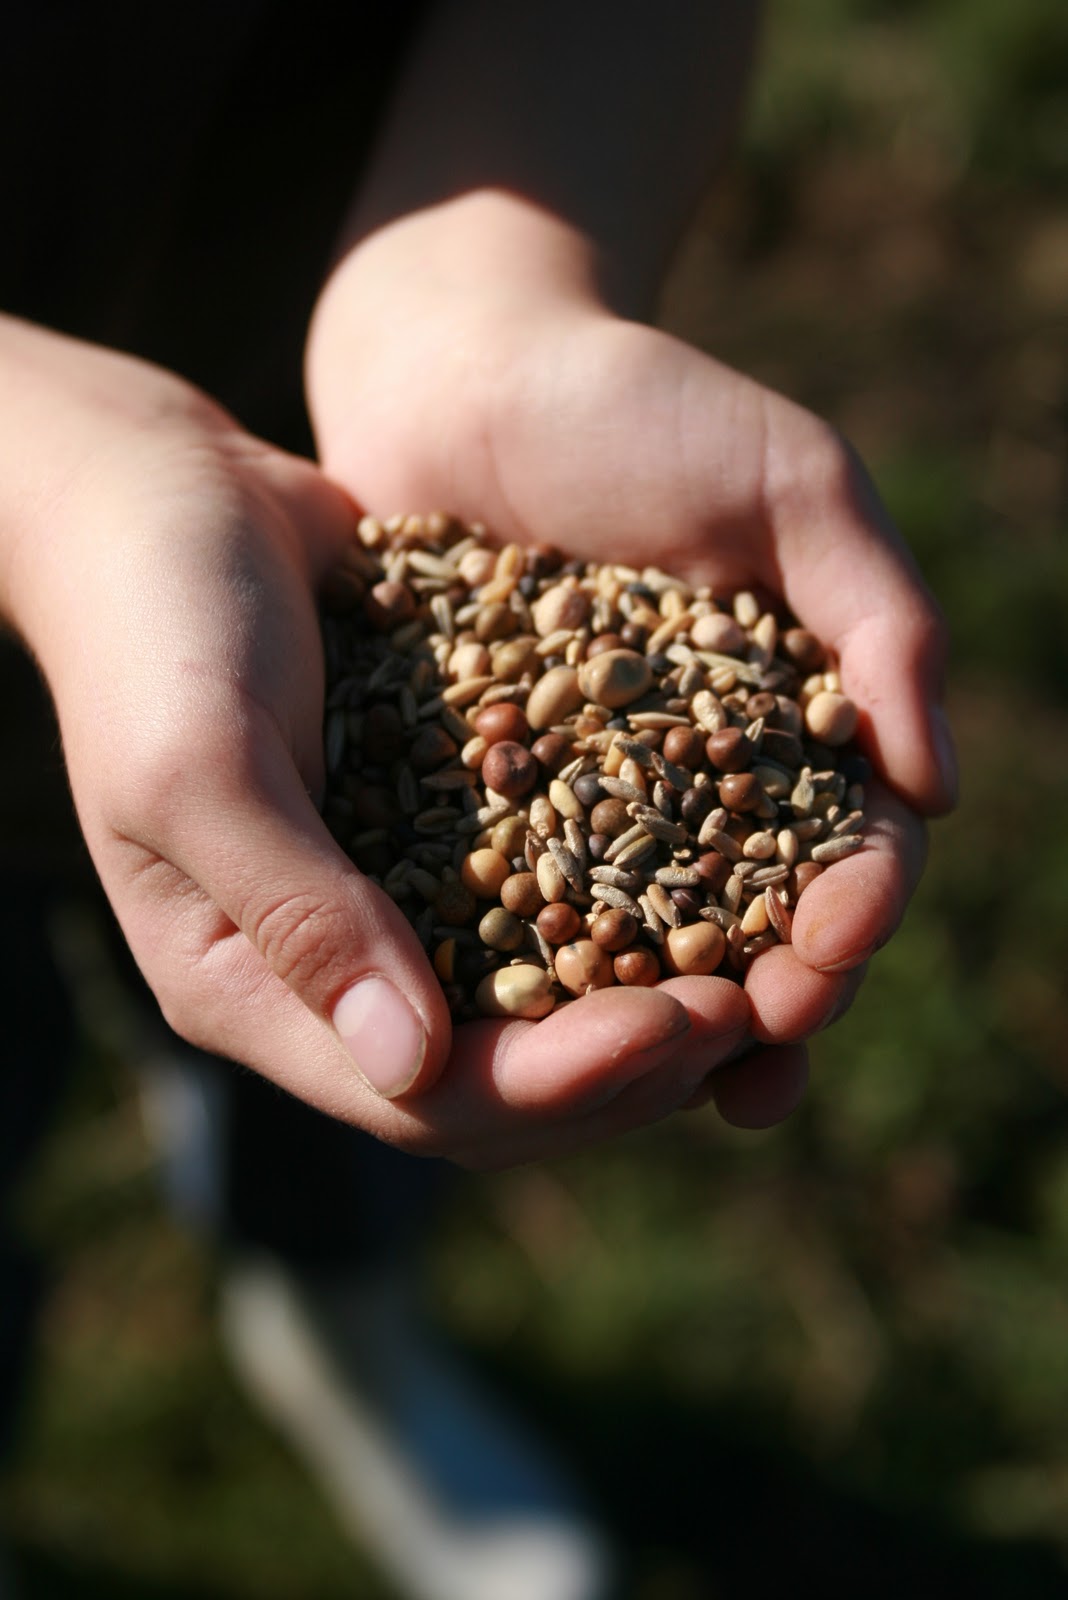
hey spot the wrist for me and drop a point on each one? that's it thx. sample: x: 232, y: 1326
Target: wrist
x: 424, y: 330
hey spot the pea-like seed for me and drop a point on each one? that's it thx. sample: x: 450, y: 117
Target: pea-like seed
x: 729, y: 750
x: 509, y: 836
x: 510, y: 768
x: 695, y: 949
x: 552, y: 751
x: 503, y: 721
x: 554, y: 697
x: 740, y: 791
x: 610, y: 817
x: 588, y: 789
x: 804, y: 649
x: 714, y: 869
x: 831, y: 718
x: 602, y: 642
x: 615, y: 678
x: 388, y: 605
x: 684, y: 747
x: 520, y: 893
x: 614, y: 929
x: 638, y: 968
x: 718, y: 632
x: 804, y: 873
x: 484, y: 872
x: 501, y: 929
x: 583, y: 965
x: 559, y: 922
x: 520, y: 991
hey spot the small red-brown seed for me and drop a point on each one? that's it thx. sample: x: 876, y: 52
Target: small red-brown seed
x: 520, y: 893
x: 502, y: 721
x: 583, y: 965
x: 602, y: 642
x: 610, y: 816
x: 804, y: 649
x: 804, y: 873
x: 614, y: 929
x: 510, y: 768
x: 714, y: 869
x: 729, y: 750
x: 389, y: 605
x: 484, y: 872
x: 552, y: 751
x: 637, y: 968
x: 696, y: 949
x: 559, y: 922
x: 684, y: 747
x: 740, y: 791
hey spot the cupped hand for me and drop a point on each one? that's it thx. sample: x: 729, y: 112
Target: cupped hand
x: 163, y: 565
x: 553, y: 421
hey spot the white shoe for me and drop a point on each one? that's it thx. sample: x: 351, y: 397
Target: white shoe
x: 423, y: 1470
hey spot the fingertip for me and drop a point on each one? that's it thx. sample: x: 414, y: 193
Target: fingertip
x: 762, y: 1088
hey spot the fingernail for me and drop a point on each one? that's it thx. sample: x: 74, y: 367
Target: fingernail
x: 847, y: 963
x: 383, y: 1035
x: 945, y: 754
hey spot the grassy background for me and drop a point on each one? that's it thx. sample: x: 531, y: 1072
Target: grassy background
x: 838, y: 1351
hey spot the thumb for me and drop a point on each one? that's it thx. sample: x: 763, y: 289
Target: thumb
x: 251, y: 839
x: 849, y: 575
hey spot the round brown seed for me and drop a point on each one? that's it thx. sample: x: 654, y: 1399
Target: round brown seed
x: 602, y: 642
x: 615, y: 678
x: 740, y: 791
x: 729, y: 750
x: 552, y: 751
x: 501, y: 929
x: 583, y: 965
x: 520, y: 991
x: 804, y: 649
x: 637, y: 968
x: 388, y: 605
x: 509, y: 836
x: 510, y: 768
x: 696, y: 949
x: 614, y: 929
x: 503, y: 721
x: 559, y: 922
x: 484, y: 872
x: 611, y: 817
x: 683, y: 747
x: 520, y: 893
x: 714, y: 870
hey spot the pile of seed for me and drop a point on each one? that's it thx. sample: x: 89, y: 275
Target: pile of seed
x: 570, y: 775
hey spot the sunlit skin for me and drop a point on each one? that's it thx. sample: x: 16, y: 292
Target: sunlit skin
x: 474, y: 350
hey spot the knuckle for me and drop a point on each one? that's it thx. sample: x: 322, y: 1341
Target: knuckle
x: 299, y: 937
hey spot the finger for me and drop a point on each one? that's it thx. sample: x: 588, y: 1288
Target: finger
x: 849, y: 576
x: 855, y: 905
x: 761, y: 1088
x: 236, y: 820
x: 614, y: 1060
x: 790, y: 1001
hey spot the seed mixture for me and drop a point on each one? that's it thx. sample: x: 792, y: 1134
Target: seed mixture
x: 570, y: 775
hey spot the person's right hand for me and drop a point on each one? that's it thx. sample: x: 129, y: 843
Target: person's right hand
x: 162, y: 565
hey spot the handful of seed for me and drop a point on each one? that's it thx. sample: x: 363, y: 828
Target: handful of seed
x: 570, y: 775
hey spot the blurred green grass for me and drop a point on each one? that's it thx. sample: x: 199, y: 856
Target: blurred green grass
x: 838, y: 1350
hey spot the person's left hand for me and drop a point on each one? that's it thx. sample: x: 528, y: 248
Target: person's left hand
x: 524, y: 404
